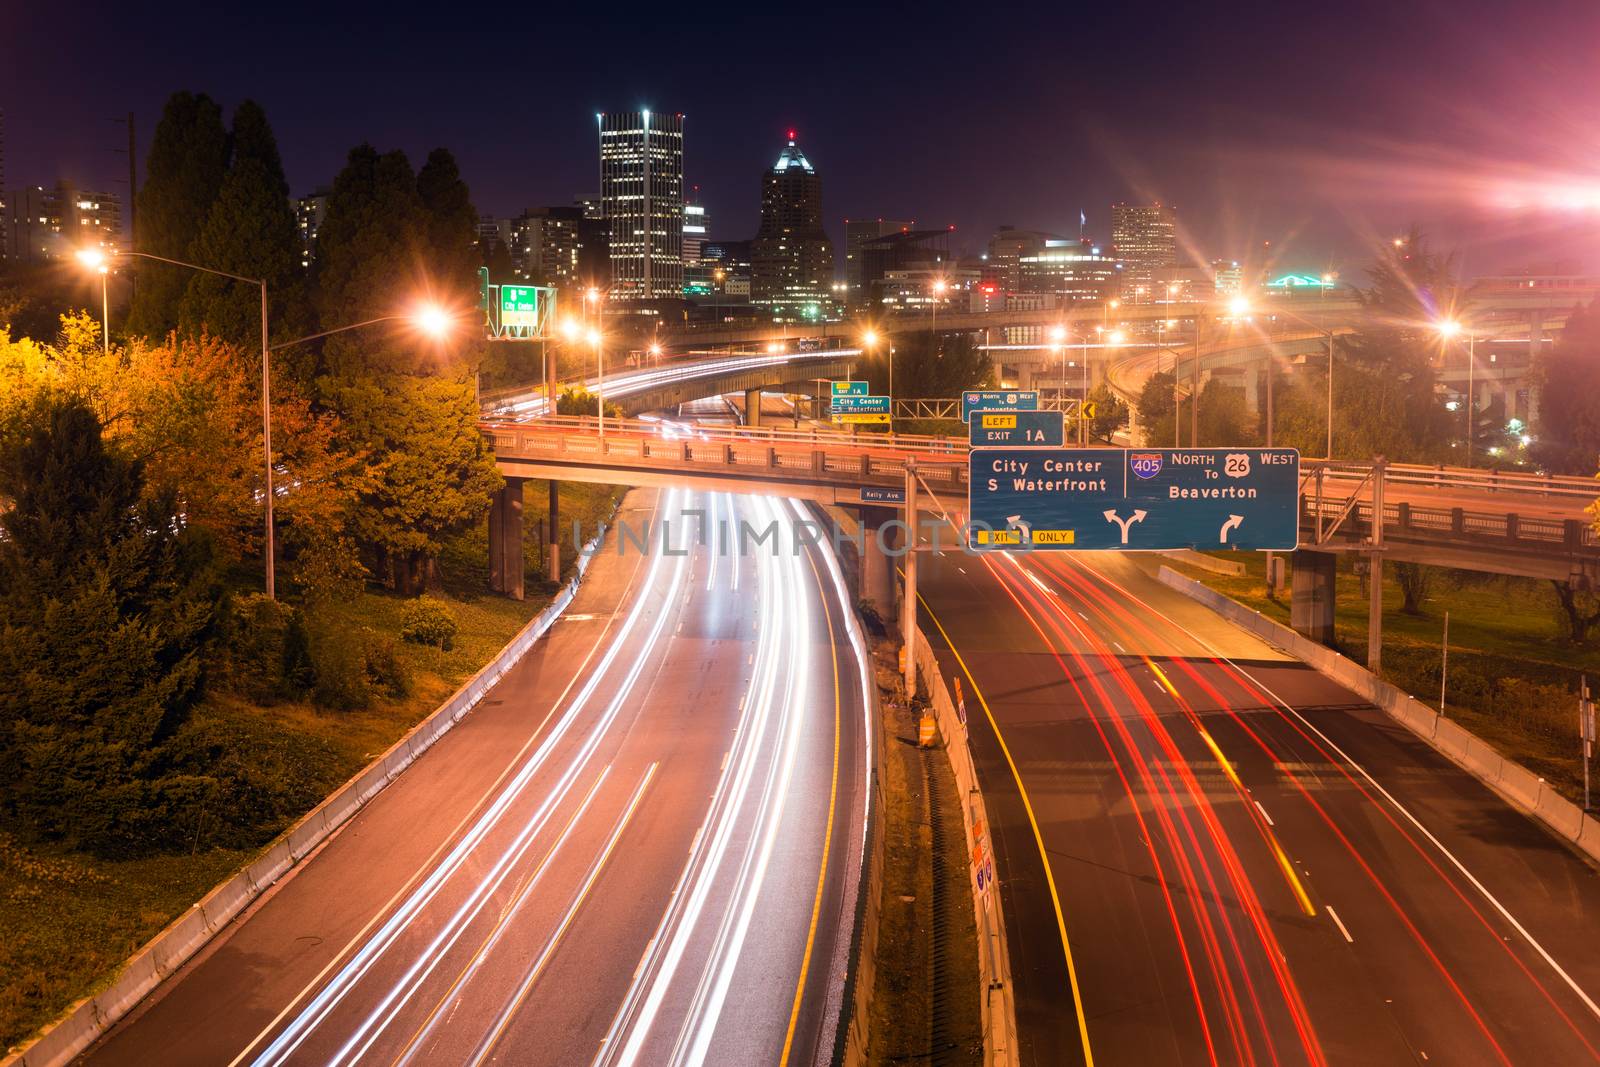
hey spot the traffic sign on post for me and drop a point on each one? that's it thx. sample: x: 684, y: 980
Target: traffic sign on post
x: 859, y: 410
x: 997, y: 400
x: 519, y: 306
x: 850, y: 388
x: 1134, y: 499
x: 1016, y: 428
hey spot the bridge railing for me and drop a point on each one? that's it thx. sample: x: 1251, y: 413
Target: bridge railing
x: 1462, y: 478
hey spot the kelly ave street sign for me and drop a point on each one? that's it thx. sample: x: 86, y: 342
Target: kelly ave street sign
x: 1019, y: 428
x: 997, y: 400
x: 1152, y: 499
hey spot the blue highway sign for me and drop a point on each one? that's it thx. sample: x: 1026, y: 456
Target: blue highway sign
x: 997, y: 400
x: 1132, y: 499
x: 860, y: 405
x: 1027, y: 429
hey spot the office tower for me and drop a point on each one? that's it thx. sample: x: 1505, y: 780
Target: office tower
x: 791, y: 258
x: 1144, y: 239
x: 922, y: 255
x: 641, y: 194
x: 696, y: 223
x: 858, y: 232
x: 1006, y: 249
x: 1072, y: 269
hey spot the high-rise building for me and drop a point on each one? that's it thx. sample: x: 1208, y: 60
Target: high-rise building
x: 903, y: 254
x: 49, y: 224
x: 1072, y: 269
x: 641, y: 194
x: 791, y: 258
x: 309, y: 211
x: 696, y: 223
x: 858, y: 232
x: 1144, y: 238
x: 547, y: 246
x: 1227, y: 277
x: 1006, y: 249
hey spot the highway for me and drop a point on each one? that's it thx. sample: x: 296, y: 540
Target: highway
x: 642, y: 848
x: 1210, y: 854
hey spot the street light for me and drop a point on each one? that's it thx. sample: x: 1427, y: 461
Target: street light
x: 939, y: 287
x: 1449, y: 328
x: 594, y: 339
x: 95, y: 260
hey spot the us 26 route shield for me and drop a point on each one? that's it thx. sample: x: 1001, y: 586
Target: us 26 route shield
x: 1151, y: 499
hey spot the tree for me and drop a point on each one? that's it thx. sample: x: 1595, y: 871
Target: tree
x: 183, y: 174
x: 249, y: 231
x: 576, y: 400
x: 1567, y: 437
x: 449, y: 230
x: 1416, y: 583
x: 427, y: 472
x: 1155, y: 407
x: 370, y: 261
x: 1225, y: 419
x: 1111, y: 414
x: 108, y: 603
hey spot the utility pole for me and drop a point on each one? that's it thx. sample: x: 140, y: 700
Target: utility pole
x: 1586, y: 729
x: 1444, y: 660
x: 1375, y: 573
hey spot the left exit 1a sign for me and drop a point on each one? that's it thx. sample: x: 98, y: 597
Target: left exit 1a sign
x: 1016, y: 428
x: 850, y: 388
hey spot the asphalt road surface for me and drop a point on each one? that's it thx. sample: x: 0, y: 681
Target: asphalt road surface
x: 642, y: 849
x: 1210, y: 854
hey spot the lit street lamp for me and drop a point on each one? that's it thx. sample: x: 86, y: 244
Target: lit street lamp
x: 430, y: 318
x: 1450, y: 328
x: 594, y: 339
x: 939, y: 287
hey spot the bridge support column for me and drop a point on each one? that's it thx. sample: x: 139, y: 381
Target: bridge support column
x: 1252, y: 389
x: 908, y: 602
x: 553, y: 542
x: 752, y: 407
x: 505, y: 540
x: 1312, y: 594
x: 877, y: 566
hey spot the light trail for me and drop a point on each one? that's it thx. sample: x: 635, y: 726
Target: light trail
x: 336, y: 990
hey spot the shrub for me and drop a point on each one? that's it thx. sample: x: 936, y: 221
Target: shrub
x: 385, y: 671
x: 429, y: 621
x: 269, y: 651
x: 341, y: 667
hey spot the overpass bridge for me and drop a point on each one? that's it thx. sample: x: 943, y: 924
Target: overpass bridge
x: 1516, y: 524
x: 1536, y: 305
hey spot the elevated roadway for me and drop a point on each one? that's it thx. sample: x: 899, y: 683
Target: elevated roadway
x: 642, y: 848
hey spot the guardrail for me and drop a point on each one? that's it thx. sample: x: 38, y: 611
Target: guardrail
x: 1462, y: 478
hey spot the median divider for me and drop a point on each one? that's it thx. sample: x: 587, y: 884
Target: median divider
x: 996, y: 998
x: 1519, y: 786
x: 186, y: 935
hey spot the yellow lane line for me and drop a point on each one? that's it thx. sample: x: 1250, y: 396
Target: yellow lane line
x: 827, y: 836
x: 1295, y: 886
x: 1033, y: 822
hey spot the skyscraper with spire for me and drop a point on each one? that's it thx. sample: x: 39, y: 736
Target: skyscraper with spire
x: 791, y: 258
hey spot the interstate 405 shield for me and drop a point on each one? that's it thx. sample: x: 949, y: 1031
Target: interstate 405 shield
x: 1131, y: 499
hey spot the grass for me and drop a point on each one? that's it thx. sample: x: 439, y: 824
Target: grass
x: 68, y: 920
x: 1512, y: 677
x: 925, y: 1002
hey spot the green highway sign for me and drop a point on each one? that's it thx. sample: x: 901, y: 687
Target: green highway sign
x: 849, y: 388
x: 519, y: 306
x: 1022, y: 428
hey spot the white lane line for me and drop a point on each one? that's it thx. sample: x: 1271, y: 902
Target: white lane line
x: 1339, y: 923
x: 1505, y: 913
x: 1264, y: 814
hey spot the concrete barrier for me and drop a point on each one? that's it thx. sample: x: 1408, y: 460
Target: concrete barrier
x: 1519, y: 786
x: 86, y: 1020
x: 998, y: 1005
x: 1206, y: 563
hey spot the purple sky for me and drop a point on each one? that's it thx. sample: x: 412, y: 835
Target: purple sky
x: 1322, y: 128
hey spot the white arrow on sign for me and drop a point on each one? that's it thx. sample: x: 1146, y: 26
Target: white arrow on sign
x: 1123, y: 524
x: 1017, y: 522
x: 1233, y: 523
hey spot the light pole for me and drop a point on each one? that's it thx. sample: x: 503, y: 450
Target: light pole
x: 1323, y: 328
x: 105, y: 307
x: 594, y: 340
x: 939, y: 286
x: 1058, y: 338
x: 1448, y: 329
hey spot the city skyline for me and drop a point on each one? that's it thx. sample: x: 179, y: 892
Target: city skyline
x: 1249, y: 127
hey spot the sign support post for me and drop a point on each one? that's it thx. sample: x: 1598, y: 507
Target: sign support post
x: 908, y: 607
x: 1375, y: 574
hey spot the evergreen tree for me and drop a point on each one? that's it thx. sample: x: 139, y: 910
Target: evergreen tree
x: 370, y: 261
x: 107, y: 605
x: 428, y: 473
x: 924, y: 369
x: 183, y: 173
x: 449, y: 229
x: 250, y: 231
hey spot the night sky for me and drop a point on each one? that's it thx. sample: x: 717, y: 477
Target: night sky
x: 1321, y: 127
